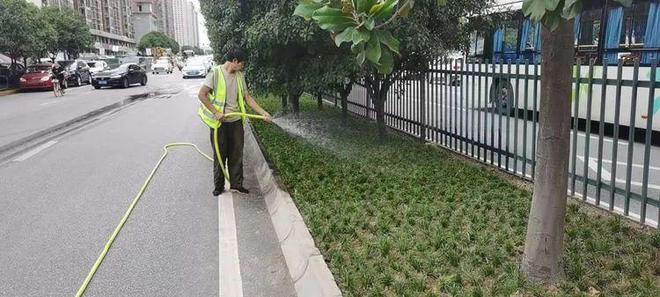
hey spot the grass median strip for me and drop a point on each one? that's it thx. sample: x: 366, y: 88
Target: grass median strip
x: 399, y: 218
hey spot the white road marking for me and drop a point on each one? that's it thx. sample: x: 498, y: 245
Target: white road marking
x: 35, y: 151
x: 606, y: 175
x: 49, y: 103
x: 231, y: 284
x: 633, y: 165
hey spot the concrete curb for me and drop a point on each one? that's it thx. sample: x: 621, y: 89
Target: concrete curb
x: 8, y: 92
x: 308, y: 270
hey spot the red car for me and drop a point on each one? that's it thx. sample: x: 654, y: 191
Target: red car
x: 37, y: 76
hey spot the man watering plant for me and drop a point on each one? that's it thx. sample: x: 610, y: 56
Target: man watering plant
x: 224, y: 92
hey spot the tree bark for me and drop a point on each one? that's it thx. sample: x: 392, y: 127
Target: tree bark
x: 284, y: 101
x: 379, y: 105
x: 294, y: 99
x: 545, y: 229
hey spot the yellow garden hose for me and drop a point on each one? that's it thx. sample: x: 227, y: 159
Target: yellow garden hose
x: 128, y: 212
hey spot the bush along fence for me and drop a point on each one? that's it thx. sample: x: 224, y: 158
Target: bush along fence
x: 489, y: 111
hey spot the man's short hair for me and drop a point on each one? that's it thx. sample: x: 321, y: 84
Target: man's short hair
x: 236, y: 54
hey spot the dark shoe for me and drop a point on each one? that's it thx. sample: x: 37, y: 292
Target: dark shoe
x: 218, y: 192
x: 241, y: 189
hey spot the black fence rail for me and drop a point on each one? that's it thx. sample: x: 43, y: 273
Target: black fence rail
x: 489, y: 111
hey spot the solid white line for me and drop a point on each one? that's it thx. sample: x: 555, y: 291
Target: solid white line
x: 633, y: 165
x: 231, y: 284
x: 35, y: 151
x: 606, y: 175
x: 49, y: 103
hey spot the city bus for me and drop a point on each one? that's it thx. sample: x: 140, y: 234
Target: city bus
x: 605, y: 33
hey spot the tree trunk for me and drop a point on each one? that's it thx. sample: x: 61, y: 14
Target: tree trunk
x: 379, y: 105
x: 319, y: 100
x: 284, y: 102
x: 545, y: 229
x: 294, y: 99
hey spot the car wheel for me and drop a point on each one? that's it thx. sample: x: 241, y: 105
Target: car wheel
x: 144, y: 81
x: 124, y: 83
x: 97, y: 87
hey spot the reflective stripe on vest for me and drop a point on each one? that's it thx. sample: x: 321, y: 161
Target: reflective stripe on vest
x: 219, y: 96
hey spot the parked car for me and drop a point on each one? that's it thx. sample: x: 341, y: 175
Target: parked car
x: 162, y: 65
x: 77, y: 71
x: 122, y: 76
x: 97, y: 66
x: 10, y: 74
x: 195, y: 68
x: 38, y: 77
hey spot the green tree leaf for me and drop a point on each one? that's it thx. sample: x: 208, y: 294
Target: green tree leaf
x: 373, y: 49
x: 361, y: 36
x: 534, y: 9
x: 387, y: 10
x: 306, y: 10
x: 345, y: 36
x: 387, y: 39
x: 386, y: 62
x: 332, y: 19
x: 572, y: 8
x: 365, y: 5
x: 370, y: 23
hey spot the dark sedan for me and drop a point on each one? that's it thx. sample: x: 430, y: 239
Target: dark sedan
x: 122, y: 76
x: 77, y: 72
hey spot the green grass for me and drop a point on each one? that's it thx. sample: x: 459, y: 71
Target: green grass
x: 399, y: 218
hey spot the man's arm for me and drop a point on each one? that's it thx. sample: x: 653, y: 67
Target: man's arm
x: 203, y: 97
x: 255, y: 106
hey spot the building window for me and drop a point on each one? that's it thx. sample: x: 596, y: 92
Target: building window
x: 140, y: 8
x: 634, y: 23
x: 589, y: 28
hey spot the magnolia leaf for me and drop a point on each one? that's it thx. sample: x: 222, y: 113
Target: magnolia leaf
x: 572, y: 8
x: 534, y: 9
x: 405, y: 11
x: 344, y: 36
x: 387, y: 9
x: 306, y: 10
x: 386, y: 62
x: 370, y: 23
x: 332, y: 19
x: 361, y: 57
x: 365, y: 5
x: 361, y: 36
x: 387, y: 39
x: 551, y: 5
x: 373, y: 49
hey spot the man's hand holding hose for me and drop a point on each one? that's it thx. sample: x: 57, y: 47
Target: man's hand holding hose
x: 219, y: 115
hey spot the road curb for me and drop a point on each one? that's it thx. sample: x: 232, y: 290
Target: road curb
x: 8, y: 92
x: 307, y: 268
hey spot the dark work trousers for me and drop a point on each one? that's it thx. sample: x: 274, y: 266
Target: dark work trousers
x: 230, y: 139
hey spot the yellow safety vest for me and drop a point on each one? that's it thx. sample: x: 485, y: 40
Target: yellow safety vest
x: 218, y: 98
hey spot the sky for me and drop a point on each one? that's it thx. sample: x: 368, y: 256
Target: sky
x: 203, y: 35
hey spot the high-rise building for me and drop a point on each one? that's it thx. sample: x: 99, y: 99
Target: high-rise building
x: 110, y: 22
x: 185, y: 23
x: 144, y: 19
x: 57, y: 3
x: 165, y: 17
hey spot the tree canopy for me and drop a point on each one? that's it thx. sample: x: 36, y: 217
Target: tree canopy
x: 158, y: 39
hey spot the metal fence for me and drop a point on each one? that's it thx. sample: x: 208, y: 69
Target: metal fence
x: 490, y: 112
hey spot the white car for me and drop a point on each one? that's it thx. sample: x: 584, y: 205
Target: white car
x: 162, y: 65
x: 195, y: 68
x: 97, y: 66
